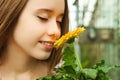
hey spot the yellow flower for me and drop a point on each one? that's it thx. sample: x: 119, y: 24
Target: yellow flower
x: 72, y: 34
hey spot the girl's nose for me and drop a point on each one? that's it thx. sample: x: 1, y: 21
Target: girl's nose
x: 54, y: 31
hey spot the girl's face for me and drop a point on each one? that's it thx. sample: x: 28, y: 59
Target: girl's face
x: 38, y: 27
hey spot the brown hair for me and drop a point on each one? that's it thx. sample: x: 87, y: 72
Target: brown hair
x: 9, y: 13
x: 56, y: 54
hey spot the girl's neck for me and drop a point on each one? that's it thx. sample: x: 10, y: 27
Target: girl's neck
x: 16, y: 66
x: 16, y: 63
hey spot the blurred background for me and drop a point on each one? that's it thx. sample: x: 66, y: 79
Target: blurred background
x: 101, y: 39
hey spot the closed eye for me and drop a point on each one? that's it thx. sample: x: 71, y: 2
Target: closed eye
x: 59, y: 23
x: 42, y: 18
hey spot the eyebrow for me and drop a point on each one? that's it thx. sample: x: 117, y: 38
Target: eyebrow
x: 45, y: 10
x: 48, y: 11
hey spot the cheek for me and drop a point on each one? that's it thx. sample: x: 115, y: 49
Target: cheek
x: 24, y: 33
x: 27, y: 35
x: 28, y: 27
x: 59, y: 34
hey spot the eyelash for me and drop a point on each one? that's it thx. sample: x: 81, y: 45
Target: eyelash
x: 42, y: 18
x: 59, y: 22
x: 45, y: 19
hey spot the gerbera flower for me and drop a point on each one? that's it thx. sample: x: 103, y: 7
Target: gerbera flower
x: 70, y: 35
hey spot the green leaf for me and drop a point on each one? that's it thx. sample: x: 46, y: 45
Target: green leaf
x: 99, y: 64
x: 69, y: 56
x: 90, y: 73
x: 105, y: 69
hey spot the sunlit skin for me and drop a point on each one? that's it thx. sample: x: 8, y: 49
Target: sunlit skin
x: 32, y: 40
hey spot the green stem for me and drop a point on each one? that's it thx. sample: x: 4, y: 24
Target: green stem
x: 78, y: 60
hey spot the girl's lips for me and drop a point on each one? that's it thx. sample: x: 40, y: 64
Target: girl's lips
x: 48, y: 45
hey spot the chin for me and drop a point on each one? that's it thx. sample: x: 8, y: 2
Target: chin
x: 42, y: 57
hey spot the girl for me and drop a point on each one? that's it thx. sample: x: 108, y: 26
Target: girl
x: 28, y: 30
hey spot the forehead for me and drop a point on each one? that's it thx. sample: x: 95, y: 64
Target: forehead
x: 57, y: 5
